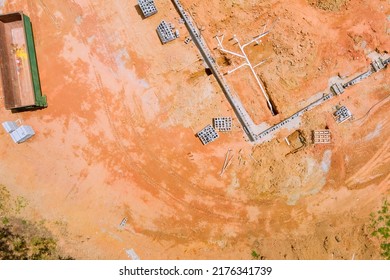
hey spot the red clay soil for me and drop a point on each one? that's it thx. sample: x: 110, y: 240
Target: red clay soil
x: 118, y: 138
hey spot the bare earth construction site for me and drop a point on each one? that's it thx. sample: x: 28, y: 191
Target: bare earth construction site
x: 292, y: 98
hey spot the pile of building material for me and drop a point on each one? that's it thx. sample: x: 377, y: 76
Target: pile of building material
x: 322, y: 136
x: 337, y: 89
x: 10, y: 126
x: 378, y: 64
x: 342, y: 114
x: 207, y: 134
x: 166, y: 32
x: 18, y: 134
x: 223, y: 124
x: 147, y: 7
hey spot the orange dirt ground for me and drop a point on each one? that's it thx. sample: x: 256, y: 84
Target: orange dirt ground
x: 117, y: 139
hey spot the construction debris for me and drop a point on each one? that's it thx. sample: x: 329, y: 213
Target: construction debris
x: 227, y: 162
x: 255, y: 160
x: 123, y: 223
x: 227, y: 165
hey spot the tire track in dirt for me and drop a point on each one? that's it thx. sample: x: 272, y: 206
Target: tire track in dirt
x: 161, y: 163
x: 131, y: 164
x: 381, y: 157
